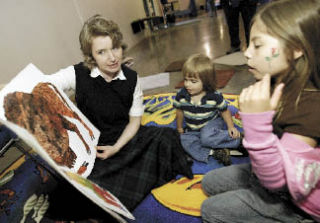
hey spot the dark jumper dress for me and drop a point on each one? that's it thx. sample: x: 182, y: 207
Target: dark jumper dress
x: 153, y: 157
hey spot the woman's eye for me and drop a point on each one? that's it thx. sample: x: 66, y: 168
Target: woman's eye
x: 257, y: 46
x: 194, y: 81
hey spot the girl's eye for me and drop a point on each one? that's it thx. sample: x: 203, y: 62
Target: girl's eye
x: 257, y: 46
x: 194, y: 81
x: 101, y: 52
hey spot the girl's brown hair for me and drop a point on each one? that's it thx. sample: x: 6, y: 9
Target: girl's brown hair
x: 296, y: 24
x: 98, y: 26
x: 199, y: 65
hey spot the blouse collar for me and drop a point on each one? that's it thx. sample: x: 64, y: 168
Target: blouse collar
x: 95, y: 72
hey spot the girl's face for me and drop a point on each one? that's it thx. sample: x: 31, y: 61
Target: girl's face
x: 265, y: 54
x: 193, y: 85
x: 107, y: 57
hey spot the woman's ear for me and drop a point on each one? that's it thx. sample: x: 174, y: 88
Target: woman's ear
x: 297, y: 54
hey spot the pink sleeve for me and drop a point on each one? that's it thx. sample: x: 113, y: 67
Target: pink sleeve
x: 261, y: 144
x: 283, y: 162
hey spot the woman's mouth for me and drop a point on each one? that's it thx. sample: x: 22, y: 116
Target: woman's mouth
x: 114, y: 65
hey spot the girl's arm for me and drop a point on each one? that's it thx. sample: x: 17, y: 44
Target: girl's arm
x: 128, y: 133
x: 275, y: 160
x: 179, y: 119
x: 233, y: 132
x: 270, y: 156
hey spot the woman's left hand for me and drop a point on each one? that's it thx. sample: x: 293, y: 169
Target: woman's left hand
x: 104, y: 152
x: 256, y: 98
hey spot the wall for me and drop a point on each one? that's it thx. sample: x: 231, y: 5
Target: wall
x: 45, y: 32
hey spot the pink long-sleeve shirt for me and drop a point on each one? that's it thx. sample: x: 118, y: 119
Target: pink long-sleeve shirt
x: 286, y: 162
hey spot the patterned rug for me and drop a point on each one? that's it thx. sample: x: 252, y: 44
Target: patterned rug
x: 24, y: 187
x: 179, y: 200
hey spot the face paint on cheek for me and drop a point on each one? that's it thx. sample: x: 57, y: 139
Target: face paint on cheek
x: 274, y: 54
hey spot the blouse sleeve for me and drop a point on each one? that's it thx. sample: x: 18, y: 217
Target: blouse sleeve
x: 137, y: 103
x: 64, y: 79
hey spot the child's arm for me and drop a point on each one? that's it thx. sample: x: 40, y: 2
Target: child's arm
x: 279, y: 162
x: 275, y: 161
x: 179, y: 119
x: 233, y: 132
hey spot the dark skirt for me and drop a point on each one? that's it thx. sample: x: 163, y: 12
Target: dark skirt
x: 152, y: 158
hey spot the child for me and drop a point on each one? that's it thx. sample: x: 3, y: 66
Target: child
x: 281, y: 129
x: 201, y: 106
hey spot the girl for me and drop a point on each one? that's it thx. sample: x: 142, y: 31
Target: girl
x: 201, y: 106
x: 281, y: 128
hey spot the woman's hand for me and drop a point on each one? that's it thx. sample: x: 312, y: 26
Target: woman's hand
x: 104, y: 152
x: 234, y: 133
x: 256, y: 98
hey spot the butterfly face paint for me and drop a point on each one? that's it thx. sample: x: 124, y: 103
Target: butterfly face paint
x: 265, y: 53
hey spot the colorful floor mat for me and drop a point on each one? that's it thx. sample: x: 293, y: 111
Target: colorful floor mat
x: 179, y: 200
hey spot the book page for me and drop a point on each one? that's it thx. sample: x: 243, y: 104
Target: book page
x: 46, y: 119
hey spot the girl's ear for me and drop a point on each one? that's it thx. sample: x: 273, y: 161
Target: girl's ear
x: 297, y: 54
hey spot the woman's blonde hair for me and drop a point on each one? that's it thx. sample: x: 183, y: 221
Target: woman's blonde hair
x: 94, y: 27
x: 296, y: 23
x: 199, y: 65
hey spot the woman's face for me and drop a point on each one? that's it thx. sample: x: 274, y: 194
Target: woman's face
x: 265, y: 54
x: 107, y: 57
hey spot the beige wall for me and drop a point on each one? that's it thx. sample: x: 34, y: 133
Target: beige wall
x: 45, y: 32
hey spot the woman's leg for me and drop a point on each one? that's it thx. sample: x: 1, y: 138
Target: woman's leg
x: 215, y: 135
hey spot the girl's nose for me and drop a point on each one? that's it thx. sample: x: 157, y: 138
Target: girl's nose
x: 247, y: 53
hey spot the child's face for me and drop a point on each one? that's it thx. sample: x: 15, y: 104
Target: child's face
x: 106, y: 56
x: 265, y: 54
x: 193, y: 85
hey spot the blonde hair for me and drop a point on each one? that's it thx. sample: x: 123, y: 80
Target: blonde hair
x: 296, y: 24
x: 199, y: 65
x: 98, y: 26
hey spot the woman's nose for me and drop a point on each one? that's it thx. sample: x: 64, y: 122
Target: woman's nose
x: 111, y: 55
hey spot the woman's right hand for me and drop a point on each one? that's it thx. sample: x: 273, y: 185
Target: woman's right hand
x: 104, y: 152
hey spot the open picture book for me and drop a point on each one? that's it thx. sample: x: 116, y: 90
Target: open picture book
x: 47, y: 120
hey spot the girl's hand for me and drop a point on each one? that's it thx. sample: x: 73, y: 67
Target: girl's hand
x: 233, y: 132
x: 256, y: 98
x: 104, y: 152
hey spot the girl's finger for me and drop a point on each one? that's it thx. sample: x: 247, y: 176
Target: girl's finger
x: 275, y: 98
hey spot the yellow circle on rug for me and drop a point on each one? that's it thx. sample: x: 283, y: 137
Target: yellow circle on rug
x: 183, y: 195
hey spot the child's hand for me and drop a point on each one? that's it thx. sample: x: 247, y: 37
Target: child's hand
x: 180, y: 130
x: 256, y: 98
x: 233, y: 132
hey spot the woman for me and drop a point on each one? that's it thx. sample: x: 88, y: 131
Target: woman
x: 133, y: 159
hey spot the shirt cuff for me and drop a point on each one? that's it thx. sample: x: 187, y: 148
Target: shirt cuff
x: 257, y: 126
